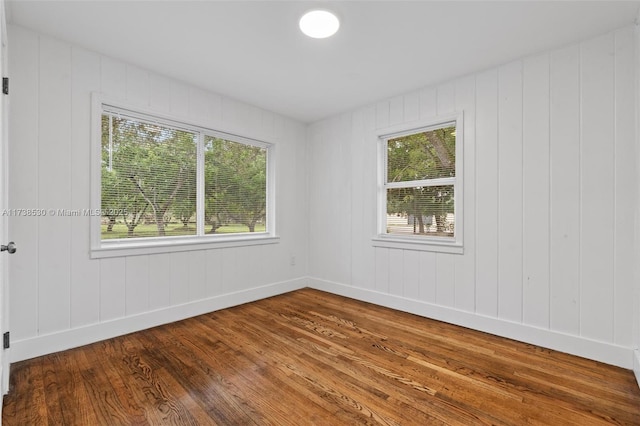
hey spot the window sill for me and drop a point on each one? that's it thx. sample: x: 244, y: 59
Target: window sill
x: 172, y: 245
x: 419, y: 244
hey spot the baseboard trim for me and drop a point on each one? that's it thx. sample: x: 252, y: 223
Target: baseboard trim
x: 636, y: 365
x: 67, y: 339
x: 599, y: 351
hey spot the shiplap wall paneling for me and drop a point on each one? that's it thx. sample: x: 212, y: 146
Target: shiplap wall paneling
x: 23, y: 192
x: 381, y: 268
x: 465, y: 266
x: 428, y: 276
x: 536, y: 191
x: 85, y: 273
x: 137, y: 287
x: 214, y: 267
x: 179, y: 288
x: 445, y: 265
x: 626, y: 182
x: 359, y: 233
x: 342, y: 164
x: 411, y: 274
x: 160, y: 93
x: 597, y: 187
x: 487, y: 193
x: 112, y: 289
x: 113, y: 77
x: 160, y: 281
x: 198, y: 274
x: 54, y: 183
x: 395, y: 270
x: 55, y: 285
x: 364, y: 156
x: 565, y: 190
x: 510, y: 192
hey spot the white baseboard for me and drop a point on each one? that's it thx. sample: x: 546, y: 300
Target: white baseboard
x: 46, y: 344
x: 636, y: 365
x: 575, y: 345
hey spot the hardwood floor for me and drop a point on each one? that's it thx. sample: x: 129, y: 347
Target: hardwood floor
x: 309, y: 357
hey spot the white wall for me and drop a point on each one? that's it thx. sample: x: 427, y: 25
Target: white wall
x: 59, y: 296
x: 550, y: 193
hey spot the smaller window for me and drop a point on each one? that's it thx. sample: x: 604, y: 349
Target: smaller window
x: 420, y: 185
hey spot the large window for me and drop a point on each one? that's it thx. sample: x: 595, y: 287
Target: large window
x: 420, y: 184
x: 165, y: 184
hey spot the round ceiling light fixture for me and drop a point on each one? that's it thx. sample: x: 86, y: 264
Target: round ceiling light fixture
x: 319, y: 24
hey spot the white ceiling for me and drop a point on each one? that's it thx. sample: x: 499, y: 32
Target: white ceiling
x: 254, y: 52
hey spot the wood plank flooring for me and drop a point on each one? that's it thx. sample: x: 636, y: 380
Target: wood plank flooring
x: 309, y: 357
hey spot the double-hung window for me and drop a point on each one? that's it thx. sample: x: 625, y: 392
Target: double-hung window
x: 420, y: 186
x: 164, y: 185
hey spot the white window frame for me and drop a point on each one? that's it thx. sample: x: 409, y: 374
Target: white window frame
x: 150, y: 245
x: 421, y: 242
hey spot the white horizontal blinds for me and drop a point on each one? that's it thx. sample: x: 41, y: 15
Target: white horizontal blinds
x: 148, y: 179
x: 427, y: 154
x: 427, y: 210
x: 420, y: 182
x: 235, y: 186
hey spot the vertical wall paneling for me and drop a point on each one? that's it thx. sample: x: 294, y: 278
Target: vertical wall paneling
x: 445, y: 279
x: 536, y: 191
x: 446, y: 98
x: 23, y: 192
x: 159, y: 281
x: 596, y: 187
x: 411, y: 276
x: 510, y: 192
x: 358, y: 233
x: 85, y: 272
x: 179, y: 291
x: 626, y: 182
x: 396, y: 110
x: 138, y: 88
x: 160, y: 93
x: 549, y: 145
x: 565, y: 190
x: 382, y: 269
x: 54, y: 183
x: 213, y: 262
x: 487, y: 193
x: 137, y: 284
x: 179, y: 99
x: 342, y: 224
x: 55, y: 286
x: 369, y: 191
x: 113, y: 77
x: 445, y: 264
x: 396, y: 270
x: 428, y: 102
x: 465, y: 265
x: 411, y: 107
x: 382, y: 114
x: 112, y: 288
x: 428, y: 276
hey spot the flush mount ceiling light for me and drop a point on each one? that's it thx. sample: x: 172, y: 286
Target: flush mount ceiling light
x: 319, y: 24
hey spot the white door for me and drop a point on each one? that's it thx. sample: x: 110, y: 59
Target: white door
x: 4, y: 293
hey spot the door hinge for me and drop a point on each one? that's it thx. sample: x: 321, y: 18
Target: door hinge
x: 5, y: 340
x: 5, y: 85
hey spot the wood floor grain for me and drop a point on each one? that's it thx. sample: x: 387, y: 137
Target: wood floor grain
x: 309, y: 357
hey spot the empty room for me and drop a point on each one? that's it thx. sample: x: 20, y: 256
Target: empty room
x: 320, y: 212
